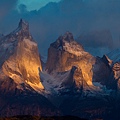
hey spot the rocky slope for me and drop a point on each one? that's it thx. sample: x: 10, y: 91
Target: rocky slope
x: 74, y: 72
x: 21, y: 90
x: 20, y: 57
x: 65, y: 53
x: 72, y: 81
x: 115, y: 57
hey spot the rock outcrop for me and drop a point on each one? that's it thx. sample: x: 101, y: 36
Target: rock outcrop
x: 20, y: 57
x: 115, y: 57
x: 72, y: 81
x: 65, y: 53
x: 21, y: 90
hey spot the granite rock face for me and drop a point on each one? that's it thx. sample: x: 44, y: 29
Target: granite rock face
x: 21, y: 90
x: 20, y: 56
x: 65, y: 53
x: 72, y: 82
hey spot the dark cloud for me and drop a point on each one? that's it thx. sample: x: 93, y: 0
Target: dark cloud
x: 22, y: 8
x: 76, y: 16
x: 100, y: 38
x: 6, y: 6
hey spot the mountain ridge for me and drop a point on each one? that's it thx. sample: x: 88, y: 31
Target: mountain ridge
x: 70, y: 74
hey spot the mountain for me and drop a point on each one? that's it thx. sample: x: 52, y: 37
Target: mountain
x: 70, y: 82
x: 115, y: 57
x: 19, y: 53
x: 21, y: 90
x: 65, y: 53
x: 85, y: 85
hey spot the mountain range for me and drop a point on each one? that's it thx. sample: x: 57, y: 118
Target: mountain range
x: 70, y: 81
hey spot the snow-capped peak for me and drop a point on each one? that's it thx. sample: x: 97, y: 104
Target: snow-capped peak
x: 68, y: 44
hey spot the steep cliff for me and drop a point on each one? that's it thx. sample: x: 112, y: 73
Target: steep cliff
x: 20, y: 57
x: 65, y: 53
x: 21, y: 90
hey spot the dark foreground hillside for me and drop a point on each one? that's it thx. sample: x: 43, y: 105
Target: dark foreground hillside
x: 42, y: 118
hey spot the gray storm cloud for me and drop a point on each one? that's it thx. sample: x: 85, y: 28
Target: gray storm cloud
x: 81, y: 17
x: 6, y: 6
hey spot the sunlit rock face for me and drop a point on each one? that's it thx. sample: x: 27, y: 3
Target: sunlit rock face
x: 116, y: 69
x: 65, y: 53
x: 19, y: 56
x: 115, y: 58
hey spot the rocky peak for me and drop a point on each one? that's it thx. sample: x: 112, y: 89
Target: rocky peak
x: 116, y: 70
x: 23, y: 25
x: 107, y: 60
x: 63, y: 55
x: 68, y: 44
x: 63, y: 58
x: 20, y: 56
x: 60, y: 42
x: 22, y: 30
x: 68, y: 37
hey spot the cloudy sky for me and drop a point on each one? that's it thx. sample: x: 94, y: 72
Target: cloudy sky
x: 35, y: 4
x: 94, y: 23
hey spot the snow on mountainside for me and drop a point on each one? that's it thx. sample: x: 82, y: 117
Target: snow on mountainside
x: 21, y: 90
x: 65, y: 54
x: 71, y: 80
x: 67, y: 43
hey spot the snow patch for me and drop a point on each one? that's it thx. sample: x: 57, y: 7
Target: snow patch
x: 53, y: 83
x: 31, y: 43
x: 73, y: 48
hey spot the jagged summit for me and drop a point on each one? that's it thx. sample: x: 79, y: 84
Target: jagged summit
x: 68, y: 36
x: 68, y: 44
x: 71, y: 75
x: 23, y: 25
x: 22, y: 29
x: 107, y: 60
x: 19, y: 56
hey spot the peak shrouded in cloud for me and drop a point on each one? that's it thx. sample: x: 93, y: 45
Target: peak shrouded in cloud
x: 78, y: 16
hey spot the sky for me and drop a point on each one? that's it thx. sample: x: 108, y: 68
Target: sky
x: 94, y: 23
x: 35, y: 4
